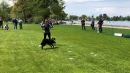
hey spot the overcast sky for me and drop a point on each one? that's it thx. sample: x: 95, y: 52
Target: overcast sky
x: 8, y: 1
x: 96, y: 7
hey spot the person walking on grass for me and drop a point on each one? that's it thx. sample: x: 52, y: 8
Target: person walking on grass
x: 92, y: 25
x: 83, y: 24
x: 1, y: 23
x: 47, y: 32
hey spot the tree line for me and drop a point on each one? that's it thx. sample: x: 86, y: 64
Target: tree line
x: 33, y: 10
x: 38, y: 10
x: 106, y: 17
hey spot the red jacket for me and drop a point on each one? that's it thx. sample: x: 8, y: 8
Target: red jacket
x: 83, y: 21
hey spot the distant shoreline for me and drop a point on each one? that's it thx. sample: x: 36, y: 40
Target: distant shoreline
x: 107, y: 26
x: 115, y: 24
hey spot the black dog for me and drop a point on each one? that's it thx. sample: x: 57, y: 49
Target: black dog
x: 50, y: 42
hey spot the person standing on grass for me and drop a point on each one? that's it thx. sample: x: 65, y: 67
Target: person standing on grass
x: 20, y: 23
x: 15, y: 23
x: 1, y: 23
x: 47, y: 32
x: 71, y: 22
x: 83, y: 24
x: 92, y: 25
x: 100, y: 23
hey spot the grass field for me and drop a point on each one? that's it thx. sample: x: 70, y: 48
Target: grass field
x: 76, y: 50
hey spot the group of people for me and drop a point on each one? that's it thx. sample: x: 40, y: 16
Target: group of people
x: 46, y: 25
x: 99, y: 25
x: 15, y: 22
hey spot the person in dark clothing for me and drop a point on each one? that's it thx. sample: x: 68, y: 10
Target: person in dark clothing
x: 83, y: 24
x: 1, y: 23
x: 47, y: 27
x: 100, y: 22
x: 71, y: 22
x: 15, y: 23
x: 92, y: 25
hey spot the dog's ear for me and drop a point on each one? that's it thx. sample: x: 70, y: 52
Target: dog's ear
x: 53, y: 38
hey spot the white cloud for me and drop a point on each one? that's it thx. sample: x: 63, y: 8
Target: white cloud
x: 96, y: 7
x: 127, y: 12
x: 10, y: 2
x: 106, y: 10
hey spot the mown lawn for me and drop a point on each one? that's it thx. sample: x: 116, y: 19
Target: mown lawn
x: 76, y: 50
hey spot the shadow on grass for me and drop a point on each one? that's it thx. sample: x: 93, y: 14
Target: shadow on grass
x: 56, y: 47
x: 60, y: 45
x: 50, y: 48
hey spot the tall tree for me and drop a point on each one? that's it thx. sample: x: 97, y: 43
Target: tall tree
x: 40, y: 8
x: 4, y: 10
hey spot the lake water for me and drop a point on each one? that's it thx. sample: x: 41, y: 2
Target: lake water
x: 116, y: 23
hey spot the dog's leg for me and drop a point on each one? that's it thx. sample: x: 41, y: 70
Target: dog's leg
x: 52, y: 46
x: 42, y: 46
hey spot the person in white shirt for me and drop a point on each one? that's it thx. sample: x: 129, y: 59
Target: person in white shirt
x: 20, y: 24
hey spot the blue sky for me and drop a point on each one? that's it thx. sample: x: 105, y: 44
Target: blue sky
x: 96, y: 7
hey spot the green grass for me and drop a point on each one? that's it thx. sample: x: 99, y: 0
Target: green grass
x: 92, y: 52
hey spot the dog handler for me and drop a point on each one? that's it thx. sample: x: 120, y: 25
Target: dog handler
x: 47, y: 27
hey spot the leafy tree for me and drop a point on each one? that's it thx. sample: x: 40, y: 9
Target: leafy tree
x: 84, y: 16
x: 128, y: 18
x: 100, y: 16
x: 4, y: 10
x: 62, y: 15
x: 73, y: 17
x: 40, y: 8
